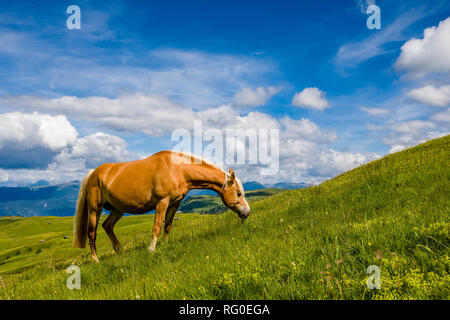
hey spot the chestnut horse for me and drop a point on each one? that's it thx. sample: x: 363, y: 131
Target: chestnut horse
x: 158, y: 182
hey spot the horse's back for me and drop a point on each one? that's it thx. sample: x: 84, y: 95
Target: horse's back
x: 138, y: 184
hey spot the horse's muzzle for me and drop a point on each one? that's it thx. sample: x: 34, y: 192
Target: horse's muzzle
x: 244, y: 213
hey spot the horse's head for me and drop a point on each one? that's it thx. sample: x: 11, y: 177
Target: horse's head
x: 233, y: 195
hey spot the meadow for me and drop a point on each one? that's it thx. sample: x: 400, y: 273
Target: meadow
x: 312, y: 243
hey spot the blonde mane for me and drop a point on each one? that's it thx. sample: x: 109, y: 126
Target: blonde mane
x: 188, y: 159
x: 199, y: 160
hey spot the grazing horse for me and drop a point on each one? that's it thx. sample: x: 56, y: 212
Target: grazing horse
x: 158, y: 182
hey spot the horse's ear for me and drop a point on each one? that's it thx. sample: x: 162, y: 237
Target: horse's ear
x: 232, y: 175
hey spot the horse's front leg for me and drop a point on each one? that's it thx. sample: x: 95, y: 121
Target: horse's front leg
x: 160, y: 212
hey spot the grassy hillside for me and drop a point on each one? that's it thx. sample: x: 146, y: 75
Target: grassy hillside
x: 313, y: 243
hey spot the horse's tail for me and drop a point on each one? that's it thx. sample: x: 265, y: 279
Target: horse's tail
x: 80, y: 223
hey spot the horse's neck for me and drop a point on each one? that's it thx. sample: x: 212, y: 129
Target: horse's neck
x: 204, y: 177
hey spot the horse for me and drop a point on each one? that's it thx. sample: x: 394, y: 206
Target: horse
x: 159, y: 182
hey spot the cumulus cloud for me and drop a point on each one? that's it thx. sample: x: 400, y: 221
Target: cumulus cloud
x: 96, y: 149
x: 312, y: 98
x: 313, y: 162
x: 396, y: 148
x: 428, y: 55
x: 376, y: 111
x: 254, y: 120
x: 249, y: 97
x: 431, y: 95
x: 332, y: 161
x: 33, y: 139
x: 406, y: 134
x: 26, y: 130
x: 411, y: 141
x: 71, y: 163
x: 306, y: 155
x: 307, y: 130
x: 36, y: 146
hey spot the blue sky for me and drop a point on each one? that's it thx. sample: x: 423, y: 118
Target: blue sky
x: 340, y: 93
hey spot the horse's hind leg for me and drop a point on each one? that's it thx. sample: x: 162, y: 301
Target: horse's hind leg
x: 94, y: 217
x: 109, y: 224
x: 160, y: 212
x: 95, y: 209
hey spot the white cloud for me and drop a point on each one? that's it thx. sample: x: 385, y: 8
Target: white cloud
x: 37, y: 147
x: 4, y: 176
x: 412, y: 126
x: 410, y: 133
x: 305, y: 154
x: 307, y: 130
x: 404, y: 141
x: 332, y: 161
x: 96, y: 149
x: 72, y: 163
x: 433, y: 96
x: 249, y: 97
x: 376, y: 111
x: 33, y: 139
x: 302, y: 159
x: 430, y: 54
x: 54, y: 174
x: 312, y: 98
x: 28, y: 130
x: 408, y: 126
x: 443, y: 116
x: 396, y: 148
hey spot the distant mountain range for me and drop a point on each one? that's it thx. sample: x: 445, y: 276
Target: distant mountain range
x: 290, y: 185
x: 60, y: 200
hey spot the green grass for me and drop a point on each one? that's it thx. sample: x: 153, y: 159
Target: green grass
x: 313, y: 243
